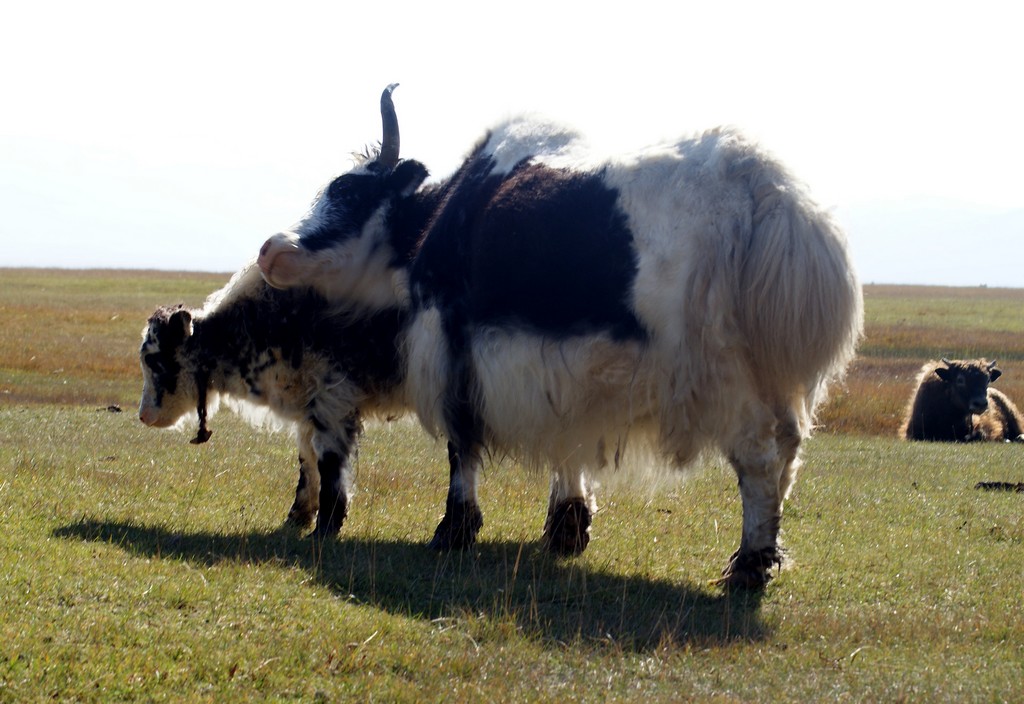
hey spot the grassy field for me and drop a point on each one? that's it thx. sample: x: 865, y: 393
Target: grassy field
x: 135, y: 566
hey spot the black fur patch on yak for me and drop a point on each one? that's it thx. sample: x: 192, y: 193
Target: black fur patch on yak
x: 504, y: 248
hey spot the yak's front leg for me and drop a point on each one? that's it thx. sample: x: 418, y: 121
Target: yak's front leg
x: 307, y: 492
x: 571, y: 506
x: 336, y: 449
x: 465, y: 430
x: 766, y: 463
x: 462, y: 516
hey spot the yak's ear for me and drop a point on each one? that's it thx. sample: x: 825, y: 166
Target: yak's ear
x: 179, y: 326
x: 945, y: 373
x: 407, y: 177
x: 994, y: 374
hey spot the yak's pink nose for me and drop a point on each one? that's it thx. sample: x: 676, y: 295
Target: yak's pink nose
x: 279, y: 260
x: 266, y: 261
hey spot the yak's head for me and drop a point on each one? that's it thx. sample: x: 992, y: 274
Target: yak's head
x: 167, y: 392
x: 343, y: 247
x: 967, y: 382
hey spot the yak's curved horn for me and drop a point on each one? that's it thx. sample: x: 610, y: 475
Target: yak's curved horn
x: 390, y: 143
x: 947, y: 362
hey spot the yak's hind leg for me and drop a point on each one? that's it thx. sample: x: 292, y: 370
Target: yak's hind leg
x: 336, y: 448
x: 764, y: 456
x: 463, y: 518
x: 571, y: 506
x: 307, y: 492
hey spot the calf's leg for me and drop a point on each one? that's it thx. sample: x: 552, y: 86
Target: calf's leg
x: 307, y: 492
x: 335, y: 450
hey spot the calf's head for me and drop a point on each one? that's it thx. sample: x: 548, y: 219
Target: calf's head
x: 168, y: 393
x: 342, y: 248
x: 967, y: 382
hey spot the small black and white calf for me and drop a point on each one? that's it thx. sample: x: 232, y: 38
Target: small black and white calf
x: 289, y: 352
x: 581, y: 310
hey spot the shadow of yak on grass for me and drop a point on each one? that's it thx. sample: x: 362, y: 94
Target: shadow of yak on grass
x: 556, y: 600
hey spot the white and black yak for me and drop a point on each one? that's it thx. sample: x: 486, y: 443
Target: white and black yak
x: 953, y: 402
x: 290, y: 352
x: 572, y: 309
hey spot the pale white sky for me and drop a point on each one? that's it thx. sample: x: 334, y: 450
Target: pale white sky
x: 181, y: 135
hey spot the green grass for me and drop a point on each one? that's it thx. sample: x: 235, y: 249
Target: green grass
x: 135, y: 566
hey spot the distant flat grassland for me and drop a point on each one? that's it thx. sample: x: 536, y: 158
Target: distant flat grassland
x: 73, y: 336
x: 137, y: 567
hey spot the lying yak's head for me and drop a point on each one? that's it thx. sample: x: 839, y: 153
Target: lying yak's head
x: 967, y: 382
x: 343, y: 247
x: 168, y: 393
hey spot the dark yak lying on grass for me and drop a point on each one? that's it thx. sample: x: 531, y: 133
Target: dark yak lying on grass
x: 287, y: 351
x: 587, y: 313
x: 953, y: 402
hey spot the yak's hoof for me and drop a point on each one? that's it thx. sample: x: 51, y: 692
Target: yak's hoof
x: 328, y: 523
x: 751, y: 570
x: 567, y: 531
x: 325, y: 530
x: 300, y: 518
x: 458, y: 529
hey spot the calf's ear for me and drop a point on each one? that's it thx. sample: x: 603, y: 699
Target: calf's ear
x: 179, y: 326
x: 944, y: 373
x: 405, y: 178
x: 994, y: 374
